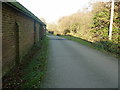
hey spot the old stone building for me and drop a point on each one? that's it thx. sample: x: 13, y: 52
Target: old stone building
x: 20, y: 31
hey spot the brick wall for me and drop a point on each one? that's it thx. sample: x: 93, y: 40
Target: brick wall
x: 18, y: 36
x: 0, y: 45
x: 8, y: 39
x: 37, y: 31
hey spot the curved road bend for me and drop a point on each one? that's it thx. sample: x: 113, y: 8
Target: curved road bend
x: 73, y: 65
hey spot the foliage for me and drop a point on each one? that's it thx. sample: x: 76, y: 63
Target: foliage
x: 93, y: 25
x: 102, y: 46
x: 30, y: 72
x: 35, y: 70
x: 101, y: 23
x: 100, y: 28
x: 77, y: 24
x: 52, y: 27
x: 66, y: 31
x: 79, y: 40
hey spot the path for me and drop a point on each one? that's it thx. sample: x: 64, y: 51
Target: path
x: 72, y: 65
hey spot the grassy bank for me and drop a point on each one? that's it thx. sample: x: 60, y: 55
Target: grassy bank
x: 101, y: 46
x: 35, y: 70
x: 29, y: 73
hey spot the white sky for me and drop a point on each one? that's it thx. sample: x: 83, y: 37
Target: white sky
x: 52, y: 10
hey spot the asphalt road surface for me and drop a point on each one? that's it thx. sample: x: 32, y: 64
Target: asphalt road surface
x: 73, y: 65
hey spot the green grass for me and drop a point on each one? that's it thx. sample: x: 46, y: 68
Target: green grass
x: 31, y: 70
x: 78, y: 40
x: 83, y: 42
x: 35, y: 70
x: 98, y: 46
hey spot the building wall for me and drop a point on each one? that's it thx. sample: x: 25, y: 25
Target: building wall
x: 8, y: 39
x: 42, y: 31
x: 37, y: 31
x: 18, y: 36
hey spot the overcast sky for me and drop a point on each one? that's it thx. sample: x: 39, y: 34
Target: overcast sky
x: 52, y: 10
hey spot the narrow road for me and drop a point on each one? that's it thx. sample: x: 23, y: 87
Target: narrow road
x: 73, y: 65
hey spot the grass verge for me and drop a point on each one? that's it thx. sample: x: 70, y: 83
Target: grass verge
x: 92, y: 45
x: 84, y: 42
x: 31, y: 71
x: 35, y: 70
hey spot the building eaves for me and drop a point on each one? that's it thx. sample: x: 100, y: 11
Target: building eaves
x: 25, y: 11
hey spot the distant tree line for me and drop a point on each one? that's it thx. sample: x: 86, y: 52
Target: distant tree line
x: 92, y: 25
